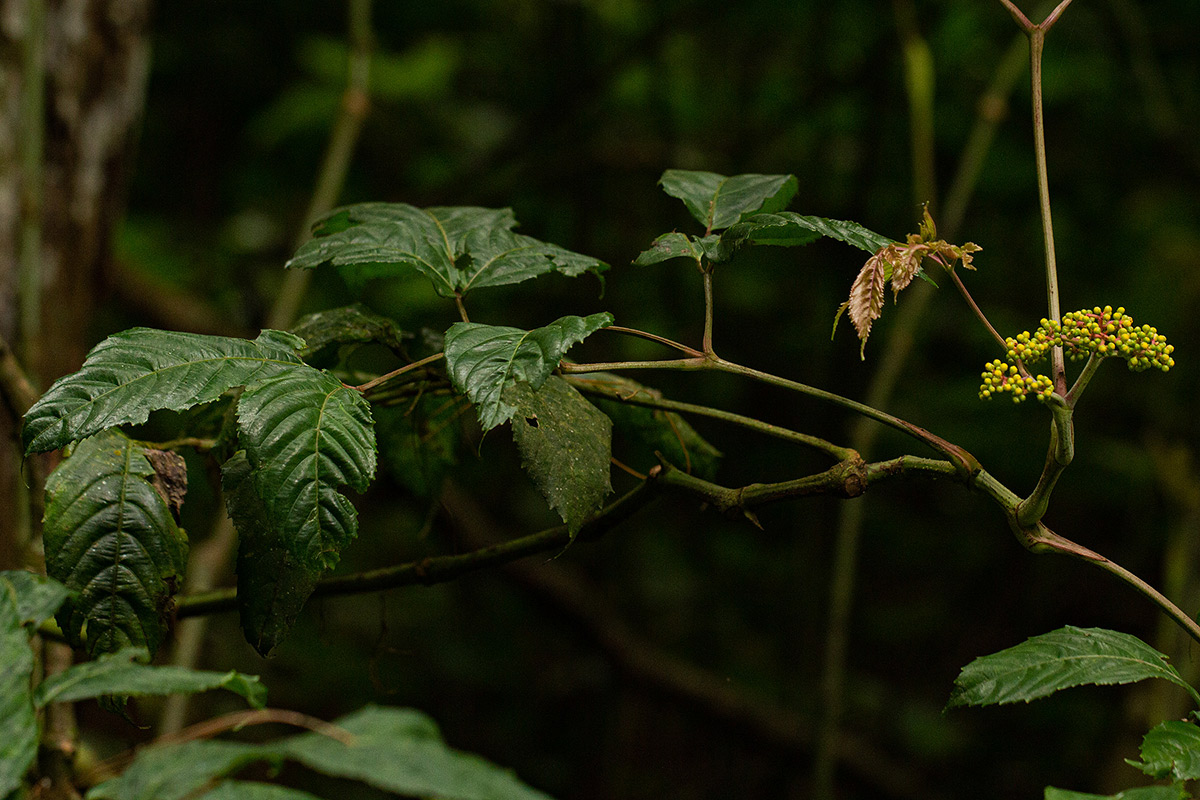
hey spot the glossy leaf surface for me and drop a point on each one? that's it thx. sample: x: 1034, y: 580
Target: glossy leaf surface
x: 485, y: 360
x: 306, y: 434
x: 110, y: 538
x: 457, y: 248
x: 1171, y: 750
x: 787, y: 228
x: 566, y: 447
x: 1058, y: 660
x: 718, y: 201
x: 273, y: 582
x: 120, y: 674
x: 140, y: 370
x: 18, y: 723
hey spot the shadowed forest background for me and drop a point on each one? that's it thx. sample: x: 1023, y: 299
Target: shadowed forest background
x: 681, y: 655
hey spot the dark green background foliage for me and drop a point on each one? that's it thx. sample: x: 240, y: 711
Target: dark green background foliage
x: 569, y: 112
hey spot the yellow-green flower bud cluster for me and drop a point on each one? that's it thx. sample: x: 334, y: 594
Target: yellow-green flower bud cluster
x: 1096, y: 331
x: 1001, y: 378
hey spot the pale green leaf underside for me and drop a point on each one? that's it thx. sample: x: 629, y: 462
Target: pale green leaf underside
x: 1058, y: 660
x: 718, y: 201
x: 787, y: 228
x: 1171, y: 750
x: 120, y: 674
x: 306, y: 434
x: 18, y: 723
x: 140, y: 370
x: 457, y: 248
x: 393, y: 749
x: 566, y: 447
x: 38, y: 597
x: 1176, y: 792
x: 110, y: 538
x: 484, y: 360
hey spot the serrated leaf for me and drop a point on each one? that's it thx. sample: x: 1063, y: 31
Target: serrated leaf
x: 306, y: 434
x: 652, y: 429
x: 566, y: 447
x: 1171, y: 750
x: 485, y: 360
x: 38, y: 597
x: 400, y: 750
x: 418, y: 441
x: 718, y: 201
x: 354, y: 323
x: 273, y: 583
x: 788, y: 228
x: 457, y: 248
x: 1176, y: 792
x: 120, y: 674
x: 1058, y: 660
x: 140, y: 370
x: 674, y: 245
x: 18, y: 722
x: 177, y: 771
x: 393, y: 749
x: 110, y: 538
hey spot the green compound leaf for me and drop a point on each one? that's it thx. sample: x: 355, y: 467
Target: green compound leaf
x: 788, y: 229
x: 394, y: 749
x: 717, y: 201
x: 120, y: 674
x: 349, y: 324
x: 110, y: 538
x: 38, y: 597
x: 1171, y: 750
x: 565, y: 445
x: 1058, y: 660
x: 18, y: 721
x: 140, y: 370
x: 457, y: 248
x: 400, y: 750
x: 485, y: 360
x: 306, y: 434
x: 652, y: 430
x: 1175, y: 792
x: 273, y: 583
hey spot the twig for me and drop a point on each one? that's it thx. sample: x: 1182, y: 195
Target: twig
x: 654, y: 337
x: 15, y: 385
x: 371, y: 384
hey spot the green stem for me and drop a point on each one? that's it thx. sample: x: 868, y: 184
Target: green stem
x: 371, y: 384
x: 609, y: 366
x: 1061, y: 454
x: 966, y: 295
x: 707, y: 343
x: 32, y: 143
x: 1089, y: 369
x: 654, y: 337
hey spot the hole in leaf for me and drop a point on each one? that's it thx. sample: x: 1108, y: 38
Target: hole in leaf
x: 531, y: 422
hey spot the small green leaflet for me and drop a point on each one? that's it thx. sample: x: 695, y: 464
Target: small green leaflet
x: 120, y: 674
x: 457, y: 248
x: 677, y: 245
x: 788, y: 228
x: 1058, y: 660
x: 140, y: 370
x: 566, y: 446
x: 38, y: 597
x: 717, y: 201
x: 110, y: 537
x: 305, y: 434
x: 484, y: 360
x: 18, y: 722
x: 1175, y: 792
x: 1171, y: 750
x: 394, y: 749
